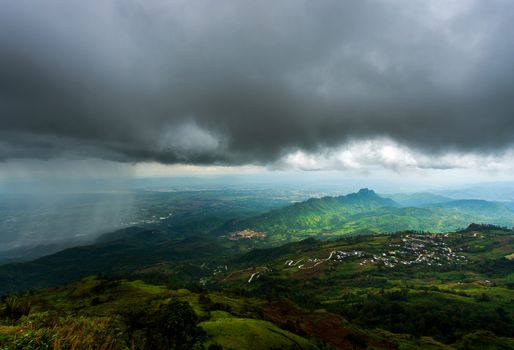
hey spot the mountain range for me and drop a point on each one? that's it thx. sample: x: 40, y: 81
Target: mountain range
x: 366, y: 212
x: 132, y: 250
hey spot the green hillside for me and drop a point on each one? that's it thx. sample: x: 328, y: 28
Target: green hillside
x: 142, y: 251
x: 416, y: 199
x: 239, y: 288
x: 367, y: 212
x: 438, y: 285
x: 483, y: 211
x: 130, y: 252
x: 96, y: 313
x: 398, y: 291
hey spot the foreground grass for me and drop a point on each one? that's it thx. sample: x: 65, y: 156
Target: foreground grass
x: 96, y: 313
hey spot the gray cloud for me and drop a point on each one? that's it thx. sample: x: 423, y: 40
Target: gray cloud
x: 239, y: 82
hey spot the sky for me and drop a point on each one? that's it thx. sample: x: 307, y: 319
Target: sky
x: 420, y: 90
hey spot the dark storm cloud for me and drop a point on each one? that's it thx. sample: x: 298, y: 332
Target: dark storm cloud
x: 239, y: 81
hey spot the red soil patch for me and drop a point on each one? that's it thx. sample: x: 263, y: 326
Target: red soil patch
x: 328, y: 327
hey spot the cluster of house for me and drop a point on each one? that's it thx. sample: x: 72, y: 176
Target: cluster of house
x: 248, y: 234
x: 410, y: 249
x: 431, y: 250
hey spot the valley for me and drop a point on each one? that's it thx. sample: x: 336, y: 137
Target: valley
x: 256, y: 175
x: 245, y: 280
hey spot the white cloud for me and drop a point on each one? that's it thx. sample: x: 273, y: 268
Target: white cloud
x: 366, y: 162
x: 374, y: 154
x: 189, y: 140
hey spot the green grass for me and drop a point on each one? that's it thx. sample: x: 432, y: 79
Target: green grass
x: 366, y: 212
x: 244, y: 333
x: 408, y: 306
x: 88, y: 312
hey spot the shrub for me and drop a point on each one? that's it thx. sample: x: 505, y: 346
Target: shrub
x: 32, y: 340
x: 172, y: 325
x: 483, y: 297
x: 15, y: 308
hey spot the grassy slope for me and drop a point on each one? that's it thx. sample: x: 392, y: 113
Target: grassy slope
x: 100, y: 301
x: 121, y: 257
x: 134, y: 251
x: 343, y: 303
x: 454, y: 297
x: 245, y: 333
x: 85, y: 315
x: 366, y: 212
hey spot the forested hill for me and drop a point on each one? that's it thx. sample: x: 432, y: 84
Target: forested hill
x: 367, y: 212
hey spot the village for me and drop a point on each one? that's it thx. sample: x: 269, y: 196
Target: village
x: 245, y: 234
x: 429, y: 250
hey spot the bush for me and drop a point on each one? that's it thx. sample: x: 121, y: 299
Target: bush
x: 483, y: 298
x: 15, y: 308
x: 32, y: 340
x: 172, y: 325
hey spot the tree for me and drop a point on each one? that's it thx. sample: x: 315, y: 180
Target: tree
x: 172, y: 326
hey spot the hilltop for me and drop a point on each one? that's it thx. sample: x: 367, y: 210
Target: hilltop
x: 367, y: 212
x: 400, y: 291
x: 439, y: 285
x: 113, y: 314
x: 356, y: 271
x: 187, y: 254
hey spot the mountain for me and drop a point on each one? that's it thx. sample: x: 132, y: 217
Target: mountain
x: 28, y: 253
x: 442, y: 285
x: 367, y: 212
x: 142, y: 251
x: 492, y: 191
x: 312, y: 217
x: 478, y: 207
x: 116, y: 314
x: 361, y: 212
x: 122, y: 253
x: 416, y: 199
x: 450, y: 291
